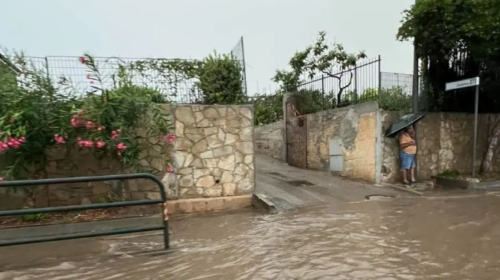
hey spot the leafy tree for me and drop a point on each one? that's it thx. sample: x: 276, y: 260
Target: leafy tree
x: 220, y: 80
x: 288, y: 80
x: 390, y: 99
x: 219, y: 77
x: 268, y: 108
x: 458, y: 39
x: 331, y: 60
x: 312, y: 101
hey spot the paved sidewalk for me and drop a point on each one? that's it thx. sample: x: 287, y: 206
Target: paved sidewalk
x: 290, y: 187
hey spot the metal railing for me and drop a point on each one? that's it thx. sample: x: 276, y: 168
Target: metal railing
x: 357, y: 84
x: 27, y: 183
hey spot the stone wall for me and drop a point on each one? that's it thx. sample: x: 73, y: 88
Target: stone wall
x: 356, y: 126
x: 269, y: 140
x: 81, y: 162
x: 213, y: 156
x: 214, y: 153
x: 390, y: 170
x: 445, y: 142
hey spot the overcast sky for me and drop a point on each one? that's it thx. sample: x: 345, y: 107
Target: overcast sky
x: 272, y: 29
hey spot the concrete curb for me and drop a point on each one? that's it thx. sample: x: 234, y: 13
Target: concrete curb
x: 175, y: 207
x: 403, y: 189
x: 209, y: 204
x: 261, y: 201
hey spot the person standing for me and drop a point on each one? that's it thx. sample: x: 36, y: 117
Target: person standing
x: 408, y: 149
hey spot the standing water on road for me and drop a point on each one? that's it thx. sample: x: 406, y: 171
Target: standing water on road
x: 408, y: 238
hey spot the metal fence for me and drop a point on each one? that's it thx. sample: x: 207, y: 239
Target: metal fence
x: 174, y: 85
x: 30, y: 183
x: 238, y: 53
x: 355, y: 85
x: 398, y: 80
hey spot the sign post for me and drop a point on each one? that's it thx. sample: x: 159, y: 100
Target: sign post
x: 473, y: 82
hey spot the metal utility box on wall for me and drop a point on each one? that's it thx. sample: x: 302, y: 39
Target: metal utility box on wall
x: 336, y: 155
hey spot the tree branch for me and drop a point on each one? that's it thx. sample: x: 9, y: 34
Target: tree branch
x: 339, y: 95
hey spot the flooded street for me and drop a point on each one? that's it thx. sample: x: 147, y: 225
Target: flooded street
x: 403, y: 238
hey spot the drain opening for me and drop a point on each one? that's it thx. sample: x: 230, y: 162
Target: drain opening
x: 277, y: 174
x: 378, y: 197
x: 300, y: 183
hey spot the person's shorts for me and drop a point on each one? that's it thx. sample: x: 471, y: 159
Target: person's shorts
x: 407, y: 160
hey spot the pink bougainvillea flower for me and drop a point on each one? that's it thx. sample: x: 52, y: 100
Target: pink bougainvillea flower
x: 170, y: 138
x: 89, y: 125
x: 3, y: 146
x: 121, y: 147
x: 59, y: 139
x: 119, y: 154
x: 88, y: 76
x: 75, y: 121
x: 115, y: 134
x: 85, y: 143
x: 91, y: 82
x: 170, y: 169
x: 100, y: 144
x: 83, y: 60
x: 2, y: 179
x: 101, y: 128
x: 13, y: 143
x: 22, y: 139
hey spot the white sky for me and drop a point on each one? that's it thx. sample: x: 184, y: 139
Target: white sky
x: 272, y: 29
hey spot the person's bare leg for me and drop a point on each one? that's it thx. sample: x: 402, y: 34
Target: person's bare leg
x: 405, y: 177
x: 412, y: 174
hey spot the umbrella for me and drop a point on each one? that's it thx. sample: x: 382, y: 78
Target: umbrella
x: 402, y: 123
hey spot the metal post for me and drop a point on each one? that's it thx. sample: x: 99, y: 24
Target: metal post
x: 47, y: 68
x: 476, y: 111
x: 415, y: 76
x: 415, y: 97
x: 323, y: 91
x: 166, y: 237
x: 356, y: 82
x: 244, y: 66
x: 379, y: 78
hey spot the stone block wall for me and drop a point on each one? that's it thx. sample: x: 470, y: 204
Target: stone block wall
x: 445, y: 142
x: 213, y: 156
x: 80, y: 162
x: 356, y: 126
x: 390, y: 171
x: 214, y: 152
x: 269, y: 140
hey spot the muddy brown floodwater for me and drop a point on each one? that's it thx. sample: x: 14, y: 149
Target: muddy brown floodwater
x: 404, y: 238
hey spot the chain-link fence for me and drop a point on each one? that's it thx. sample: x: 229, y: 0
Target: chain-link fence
x: 174, y: 85
x: 168, y: 76
x: 238, y: 53
x: 399, y: 80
